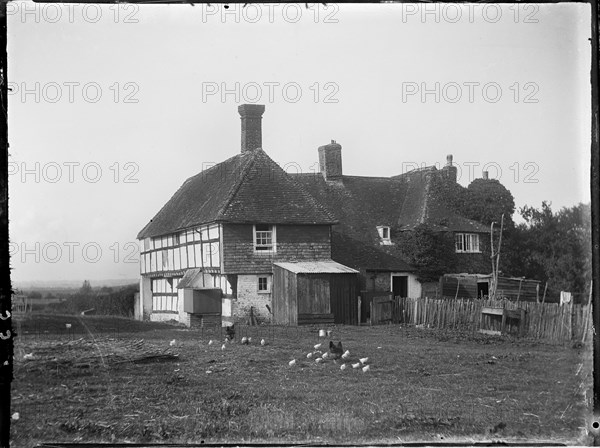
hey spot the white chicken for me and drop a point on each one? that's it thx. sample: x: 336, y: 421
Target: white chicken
x: 346, y: 356
x: 249, y: 340
x: 292, y: 363
x: 366, y: 368
x: 28, y: 356
x: 319, y: 360
x: 325, y: 355
x: 211, y: 342
x: 68, y: 326
x: 263, y: 342
x: 356, y: 366
x: 244, y: 340
x: 173, y: 342
x: 310, y: 355
x: 363, y: 360
x: 318, y: 346
x: 223, y: 347
x: 343, y: 367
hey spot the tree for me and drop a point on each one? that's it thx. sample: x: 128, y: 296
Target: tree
x: 86, y: 288
x: 553, y: 247
x: 432, y: 253
x: 486, y: 200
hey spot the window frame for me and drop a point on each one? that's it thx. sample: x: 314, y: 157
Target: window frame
x: 269, y: 249
x: 381, y: 230
x: 267, y: 289
x: 469, y: 243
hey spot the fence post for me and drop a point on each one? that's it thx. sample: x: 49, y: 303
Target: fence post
x: 359, y: 310
x: 371, y: 308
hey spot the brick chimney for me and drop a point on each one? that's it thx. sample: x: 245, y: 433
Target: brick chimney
x: 251, y: 116
x: 450, y: 170
x: 330, y: 161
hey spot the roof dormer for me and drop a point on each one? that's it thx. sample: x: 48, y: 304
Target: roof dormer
x: 384, y: 235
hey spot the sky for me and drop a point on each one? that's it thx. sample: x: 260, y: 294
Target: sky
x: 113, y: 107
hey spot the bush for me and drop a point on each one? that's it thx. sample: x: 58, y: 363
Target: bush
x: 117, y: 303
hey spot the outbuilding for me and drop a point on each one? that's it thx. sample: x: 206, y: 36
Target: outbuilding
x: 314, y: 292
x: 478, y: 286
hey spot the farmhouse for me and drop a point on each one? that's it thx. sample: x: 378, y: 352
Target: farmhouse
x: 266, y: 245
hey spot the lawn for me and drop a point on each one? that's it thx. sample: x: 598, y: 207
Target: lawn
x: 115, y: 380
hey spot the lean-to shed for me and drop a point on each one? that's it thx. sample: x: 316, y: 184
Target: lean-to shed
x: 314, y: 292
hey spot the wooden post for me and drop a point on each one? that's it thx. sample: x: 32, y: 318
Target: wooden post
x: 545, y: 289
x: 588, y: 315
x: 359, y: 310
x: 371, y: 317
x: 522, y: 323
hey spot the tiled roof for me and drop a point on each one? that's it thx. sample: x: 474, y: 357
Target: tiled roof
x: 247, y: 188
x: 359, y: 254
x: 421, y: 206
x: 362, y: 203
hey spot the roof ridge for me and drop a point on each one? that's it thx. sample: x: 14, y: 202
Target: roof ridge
x: 311, y: 198
x: 201, y: 173
x: 236, y: 187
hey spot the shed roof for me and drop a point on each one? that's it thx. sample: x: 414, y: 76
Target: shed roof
x: 315, y: 267
x: 191, y: 279
x: 196, y: 278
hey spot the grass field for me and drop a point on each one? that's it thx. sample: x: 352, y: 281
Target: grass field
x: 422, y: 385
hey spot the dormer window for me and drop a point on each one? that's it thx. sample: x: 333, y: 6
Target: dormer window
x: 384, y: 234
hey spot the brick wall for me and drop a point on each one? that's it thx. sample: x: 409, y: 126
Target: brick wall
x: 294, y: 243
x: 248, y: 296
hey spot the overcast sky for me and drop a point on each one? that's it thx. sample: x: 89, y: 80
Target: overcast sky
x: 119, y: 104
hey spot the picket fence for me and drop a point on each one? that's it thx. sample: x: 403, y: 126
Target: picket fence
x: 547, y: 321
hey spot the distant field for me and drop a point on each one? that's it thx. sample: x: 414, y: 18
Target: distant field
x: 422, y: 385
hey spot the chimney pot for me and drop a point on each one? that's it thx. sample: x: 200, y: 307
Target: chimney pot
x: 449, y: 160
x: 330, y: 161
x: 251, y: 116
x: 486, y: 175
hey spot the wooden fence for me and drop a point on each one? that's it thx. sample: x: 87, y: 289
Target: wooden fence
x: 548, y: 321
